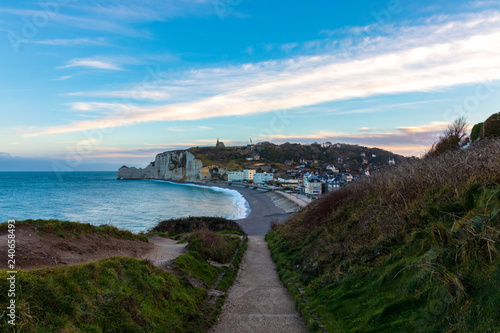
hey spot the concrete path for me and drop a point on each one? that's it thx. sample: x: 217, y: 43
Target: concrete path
x: 258, y: 301
x: 299, y: 200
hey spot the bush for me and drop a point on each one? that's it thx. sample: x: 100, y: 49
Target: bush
x: 492, y: 126
x: 211, y: 245
x: 475, y: 133
x: 192, y: 223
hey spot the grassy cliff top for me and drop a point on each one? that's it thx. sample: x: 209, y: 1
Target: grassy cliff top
x: 122, y: 294
x: 61, y: 227
x: 413, y: 248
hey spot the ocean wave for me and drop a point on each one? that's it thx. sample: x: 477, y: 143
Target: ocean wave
x: 242, y: 206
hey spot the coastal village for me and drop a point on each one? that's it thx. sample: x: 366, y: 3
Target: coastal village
x: 309, y: 177
x: 310, y: 170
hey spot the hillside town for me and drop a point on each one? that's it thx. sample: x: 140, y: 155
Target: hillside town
x: 311, y: 178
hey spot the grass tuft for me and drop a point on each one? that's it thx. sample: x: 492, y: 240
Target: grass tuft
x: 213, y: 246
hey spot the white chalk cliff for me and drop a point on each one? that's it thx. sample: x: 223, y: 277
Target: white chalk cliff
x: 174, y: 165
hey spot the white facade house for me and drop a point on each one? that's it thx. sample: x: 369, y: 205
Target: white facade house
x: 332, y: 185
x: 261, y: 178
x: 312, y: 185
x: 332, y: 168
x: 248, y: 174
x: 288, y: 182
x: 235, y: 176
x: 346, y: 177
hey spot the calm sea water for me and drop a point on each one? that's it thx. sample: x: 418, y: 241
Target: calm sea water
x: 99, y: 198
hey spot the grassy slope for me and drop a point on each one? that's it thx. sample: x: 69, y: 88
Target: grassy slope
x: 117, y: 294
x: 110, y: 295
x: 412, y: 249
x: 76, y: 228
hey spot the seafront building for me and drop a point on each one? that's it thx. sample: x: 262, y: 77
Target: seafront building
x: 289, y: 182
x: 235, y: 176
x: 261, y: 178
x: 248, y: 174
x: 312, y: 186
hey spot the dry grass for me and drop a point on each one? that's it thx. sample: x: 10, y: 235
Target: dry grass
x: 383, y: 251
x: 391, y: 195
x: 213, y: 246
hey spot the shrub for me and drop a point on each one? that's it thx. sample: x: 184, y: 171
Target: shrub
x: 192, y: 223
x: 492, y: 126
x: 211, y: 245
x: 475, y: 133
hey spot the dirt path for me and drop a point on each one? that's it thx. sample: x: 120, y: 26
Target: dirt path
x: 165, y: 250
x: 258, y: 301
x: 37, y: 250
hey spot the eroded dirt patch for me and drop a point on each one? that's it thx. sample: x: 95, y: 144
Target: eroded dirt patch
x: 35, y: 249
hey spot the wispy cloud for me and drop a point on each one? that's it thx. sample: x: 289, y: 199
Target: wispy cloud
x: 289, y: 46
x: 146, y: 11
x: 77, y: 20
x: 189, y: 129
x: 411, y: 140
x: 95, y: 106
x: 119, y: 17
x: 433, y: 127
x: 73, y: 41
x: 62, y: 78
x: 93, y: 63
x: 144, y: 94
x: 451, y: 51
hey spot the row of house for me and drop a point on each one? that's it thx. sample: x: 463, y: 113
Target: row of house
x: 314, y: 184
x: 339, y: 160
x: 249, y: 175
x: 309, y: 183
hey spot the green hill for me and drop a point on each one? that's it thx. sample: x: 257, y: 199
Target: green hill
x: 410, y: 249
x: 274, y: 155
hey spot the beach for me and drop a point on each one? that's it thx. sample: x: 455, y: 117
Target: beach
x: 265, y: 207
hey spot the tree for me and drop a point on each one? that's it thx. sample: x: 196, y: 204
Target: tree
x: 451, y: 138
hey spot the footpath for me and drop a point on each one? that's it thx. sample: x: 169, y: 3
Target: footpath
x: 258, y: 301
x: 301, y: 201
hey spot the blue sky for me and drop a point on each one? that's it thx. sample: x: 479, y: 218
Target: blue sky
x: 92, y: 85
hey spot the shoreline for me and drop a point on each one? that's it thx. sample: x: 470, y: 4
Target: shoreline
x: 243, y: 209
x: 263, y: 209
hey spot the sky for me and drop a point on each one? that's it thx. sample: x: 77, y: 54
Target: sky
x: 93, y: 85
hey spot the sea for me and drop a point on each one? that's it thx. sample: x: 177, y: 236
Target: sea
x: 99, y: 198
